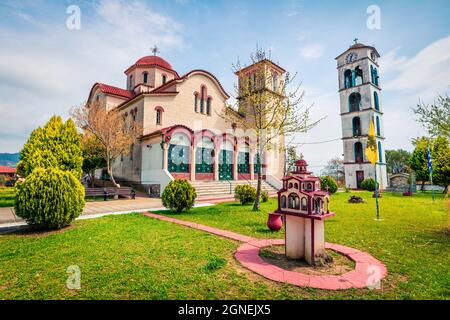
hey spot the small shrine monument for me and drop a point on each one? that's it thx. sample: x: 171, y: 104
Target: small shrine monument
x: 304, y: 207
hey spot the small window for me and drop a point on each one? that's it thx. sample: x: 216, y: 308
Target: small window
x: 164, y: 79
x: 296, y: 185
x: 130, y: 84
x: 290, y: 185
x: 158, y: 116
x: 208, y: 106
x: 196, y: 102
x: 274, y: 81
x: 145, y: 77
x: 202, y: 100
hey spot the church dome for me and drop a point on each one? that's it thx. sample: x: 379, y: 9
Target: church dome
x: 149, y: 61
x: 301, y: 162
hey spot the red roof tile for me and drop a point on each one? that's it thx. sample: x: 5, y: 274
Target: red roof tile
x: 5, y: 169
x: 105, y: 88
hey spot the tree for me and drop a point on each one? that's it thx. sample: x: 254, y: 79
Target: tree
x: 435, y: 117
x: 92, y: 155
x: 114, y: 132
x: 397, y: 160
x: 291, y: 157
x: 440, y: 154
x: 56, y: 145
x: 335, y: 169
x: 268, y: 107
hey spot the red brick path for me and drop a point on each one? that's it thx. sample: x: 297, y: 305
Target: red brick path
x: 368, y: 270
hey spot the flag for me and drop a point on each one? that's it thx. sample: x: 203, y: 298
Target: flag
x: 371, y: 149
x: 430, y: 162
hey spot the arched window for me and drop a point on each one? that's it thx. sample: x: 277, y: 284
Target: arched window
x: 309, y: 187
x: 145, y: 74
x: 204, y: 156
x: 179, y: 153
x: 304, y: 204
x: 202, y: 99
x: 296, y: 186
x: 290, y: 185
x: 358, y: 152
x: 283, y: 201
x: 208, y: 106
x: 376, y: 101
x: 274, y: 81
x: 358, y: 76
x: 158, y: 116
x: 195, y: 101
x: 356, y: 126
x: 164, y: 79
x: 348, y: 81
x: 354, y: 101
x: 130, y: 82
x: 378, y: 126
x: 380, y: 152
x: 374, y: 75
x: 244, y: 159
x: 294, y: 201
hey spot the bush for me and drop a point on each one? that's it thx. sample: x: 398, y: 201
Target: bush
x: 179, y: 196
x: 245, y: 193
x: 329, y: 182
x: 264, y: 196
x: 49, y: 198
x: 368, y: 184
x: 55, y: 145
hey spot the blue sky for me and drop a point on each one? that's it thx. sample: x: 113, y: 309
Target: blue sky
x: 46, y: 68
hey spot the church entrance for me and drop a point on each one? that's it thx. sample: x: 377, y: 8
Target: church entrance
x: 359, y: 178
x: 226, y: 165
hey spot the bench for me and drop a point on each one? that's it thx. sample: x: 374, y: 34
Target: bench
x: 107, y: 192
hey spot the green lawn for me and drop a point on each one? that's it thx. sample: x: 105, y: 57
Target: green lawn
x: 7, y: 196
x: 135, y: 257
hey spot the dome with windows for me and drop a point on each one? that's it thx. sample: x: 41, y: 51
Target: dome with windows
x: 149, y: 61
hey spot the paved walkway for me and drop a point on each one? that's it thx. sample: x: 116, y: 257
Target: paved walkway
x: 97, y: 208
x: 368, y: 271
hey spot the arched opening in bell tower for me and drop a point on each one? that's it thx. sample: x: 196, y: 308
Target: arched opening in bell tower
x: 358, y: 152
x: 356, y: 126
x: 354, y: 101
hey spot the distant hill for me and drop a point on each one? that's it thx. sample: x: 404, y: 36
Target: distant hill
x: 9, y: 159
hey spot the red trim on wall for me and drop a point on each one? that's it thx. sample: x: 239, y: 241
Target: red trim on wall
x: 204, y: 176
x: 181, y: 175
x: 244, y: 176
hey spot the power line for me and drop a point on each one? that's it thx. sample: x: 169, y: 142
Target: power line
x: 317, y: 142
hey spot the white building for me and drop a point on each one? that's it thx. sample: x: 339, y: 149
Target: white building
x: 360, y: 101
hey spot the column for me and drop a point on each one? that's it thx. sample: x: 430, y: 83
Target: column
x: 192, y: 162
x: 165, y: 147
x: 252, y: 166
x: 235, y: 164
x: 216, y: 163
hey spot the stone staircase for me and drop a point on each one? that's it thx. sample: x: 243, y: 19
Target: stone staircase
x: 217, y: 191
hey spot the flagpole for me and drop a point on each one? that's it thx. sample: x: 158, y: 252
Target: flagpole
x: 376, y: 192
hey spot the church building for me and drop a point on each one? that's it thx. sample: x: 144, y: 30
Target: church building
x: 184, y: 132
x: 360, y: 99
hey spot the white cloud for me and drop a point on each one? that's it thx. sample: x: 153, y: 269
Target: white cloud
x: 424, y: 75
x: 312, y: 51
x: 50, y: 69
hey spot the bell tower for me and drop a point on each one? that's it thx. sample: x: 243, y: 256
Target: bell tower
x: 360, y: 103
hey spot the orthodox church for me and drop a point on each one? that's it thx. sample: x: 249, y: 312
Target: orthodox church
x: 184, y: 132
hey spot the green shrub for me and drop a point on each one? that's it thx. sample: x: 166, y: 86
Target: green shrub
x: 264, y: 196
x: 179, y: 195
x: 368, y: 184
x: 49, y: 198
x: 329, y: 182
x: 245, y: 193
x: 55, y: 145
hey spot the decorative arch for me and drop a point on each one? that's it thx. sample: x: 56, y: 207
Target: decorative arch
x: 380, y: 152
x: 356, y: 122
x: 378, y: 126
x: 376, y: 101
x: 293, y: 201
x: 358, y: 152
x: 354, y: 102
x: 179, y: 152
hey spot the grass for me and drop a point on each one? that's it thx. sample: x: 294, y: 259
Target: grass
x: 135, y: 257
x: 7, y: 195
